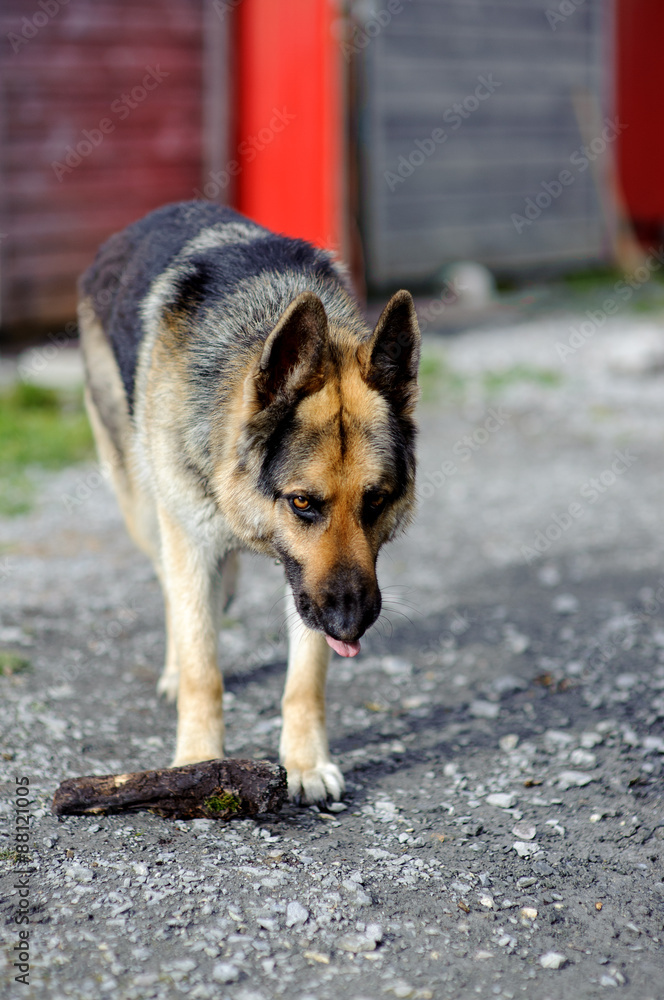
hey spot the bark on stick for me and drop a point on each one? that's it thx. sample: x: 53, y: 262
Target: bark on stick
x: 213, y: 789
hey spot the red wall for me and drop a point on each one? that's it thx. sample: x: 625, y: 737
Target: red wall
x: 640, y: 100
x: 59, y: 80
x: 289, y: 61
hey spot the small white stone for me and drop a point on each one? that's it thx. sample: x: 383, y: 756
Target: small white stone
x: 402, y: 990
x: 225, y: 972
x: 590, y: 739
x: 582, y: 758
x: 503, y: 800
x: 80, y: 873
x: 565, y: 604
x: 529, y: 912
x: 481, y: 709
x: 524, y: 831
x: 487, y: 901
x: 356, y: 943
x: 553, y: 960
x: 374, y: 932
x: 574, y: 779
x: 296, y: 913
x: 525, y: 850
x: 558, y: 738
x: 508, y: 742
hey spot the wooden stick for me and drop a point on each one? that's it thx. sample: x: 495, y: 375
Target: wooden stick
x: 213, y: 789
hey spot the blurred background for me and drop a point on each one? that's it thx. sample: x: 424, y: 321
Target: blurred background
x: 493, y: 156
x: 405, y: 134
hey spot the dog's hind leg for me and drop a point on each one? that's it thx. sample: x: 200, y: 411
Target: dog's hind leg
x: 304, y: 751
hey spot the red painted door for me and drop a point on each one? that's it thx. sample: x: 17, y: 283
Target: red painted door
x: 289, y: 125
x: 640, y: 52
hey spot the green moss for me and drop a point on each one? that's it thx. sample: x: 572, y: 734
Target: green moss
x: 9, y: 855
x: 224, y: 802
x: 12, y: 663
x: 38, y: 428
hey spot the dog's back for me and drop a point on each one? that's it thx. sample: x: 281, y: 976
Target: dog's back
x: 209, y: 258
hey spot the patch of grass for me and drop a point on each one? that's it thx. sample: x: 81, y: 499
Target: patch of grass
x: 12, y: 663
x: 9, y: 855
x: 38, y: 428
x: 437, y: 377
x: 495, y: 381
x: 651, y: 304
x: 225, y: 802
x: 592, y: 279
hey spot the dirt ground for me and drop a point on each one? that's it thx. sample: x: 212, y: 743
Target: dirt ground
x: 501, y: 731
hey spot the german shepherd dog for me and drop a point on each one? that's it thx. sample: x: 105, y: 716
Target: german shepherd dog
x: 240, y: 401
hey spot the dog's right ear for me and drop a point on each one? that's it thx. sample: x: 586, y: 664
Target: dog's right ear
x: 293, y: 359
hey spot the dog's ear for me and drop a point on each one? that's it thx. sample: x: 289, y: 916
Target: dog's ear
x: 293, y: 359
x: 391, y: 357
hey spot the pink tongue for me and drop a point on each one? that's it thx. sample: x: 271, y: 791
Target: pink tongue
x: 343, y: 648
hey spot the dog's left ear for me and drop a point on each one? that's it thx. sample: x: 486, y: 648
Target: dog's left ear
x: 293, y: 359
x: 390, y: 358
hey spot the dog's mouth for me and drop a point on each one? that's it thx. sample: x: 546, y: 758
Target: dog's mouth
x: 342, y: 648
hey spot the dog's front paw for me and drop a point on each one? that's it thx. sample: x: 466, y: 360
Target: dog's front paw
x: 317, y: 784
x: 168, y: 684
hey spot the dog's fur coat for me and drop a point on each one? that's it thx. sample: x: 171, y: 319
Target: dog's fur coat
x: 240, y: 401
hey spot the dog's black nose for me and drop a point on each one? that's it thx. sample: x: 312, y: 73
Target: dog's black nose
x: 350, y: 603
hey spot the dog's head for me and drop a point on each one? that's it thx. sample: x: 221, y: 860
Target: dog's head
x: 328, y: 443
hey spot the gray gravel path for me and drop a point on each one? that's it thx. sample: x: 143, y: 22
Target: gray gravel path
x: 501, y: 732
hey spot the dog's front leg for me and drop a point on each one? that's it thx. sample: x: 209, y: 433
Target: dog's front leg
x: 304, y: 752
x: 189, y: 580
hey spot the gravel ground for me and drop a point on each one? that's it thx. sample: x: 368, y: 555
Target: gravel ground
x: 501, y: 732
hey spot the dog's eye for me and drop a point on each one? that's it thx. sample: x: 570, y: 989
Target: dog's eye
x: 374, y: 504
x: 306, y: 509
